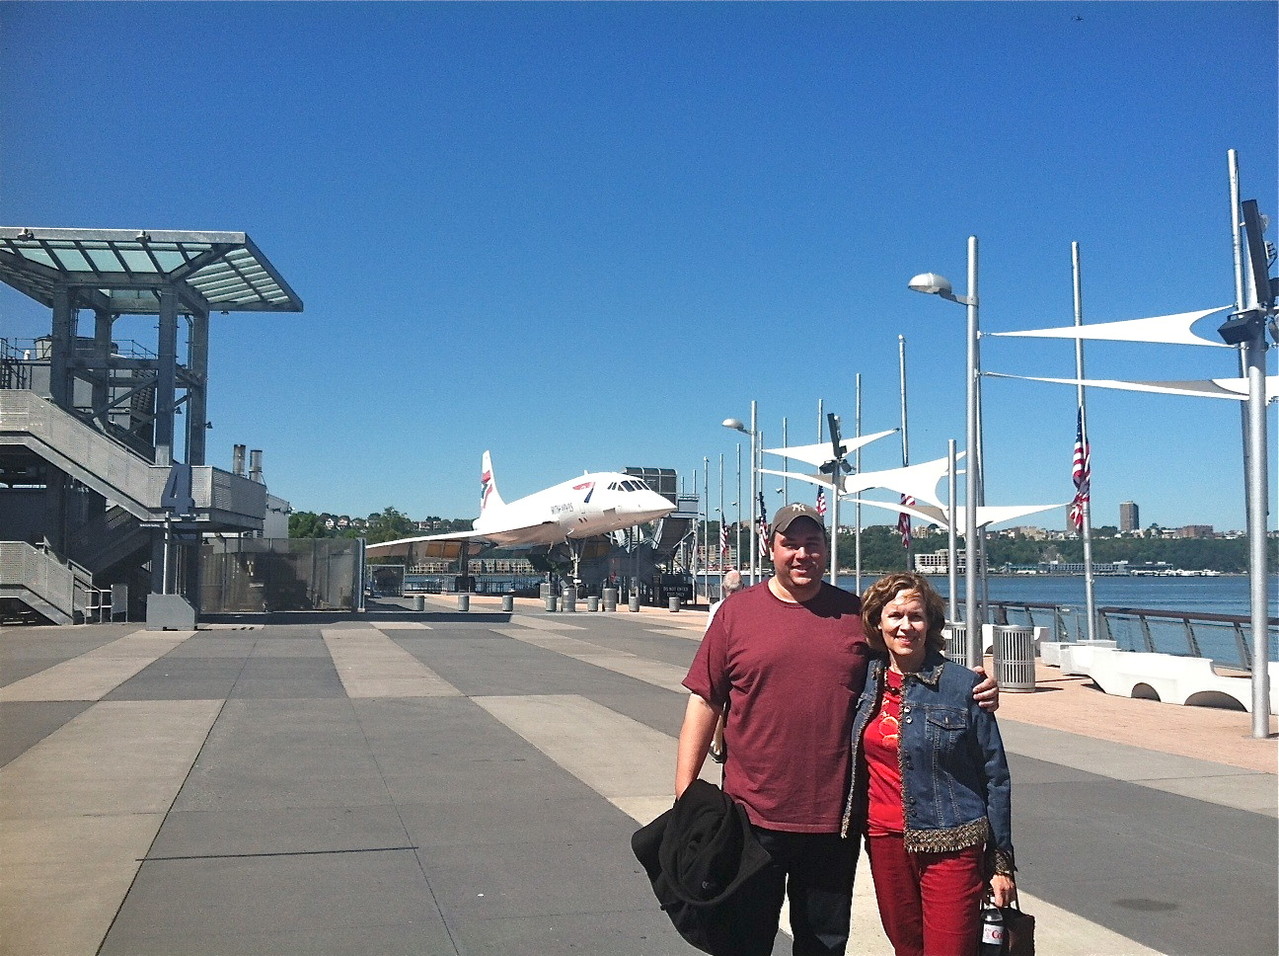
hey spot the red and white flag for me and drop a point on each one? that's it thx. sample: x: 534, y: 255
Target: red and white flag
x: 1081, y: 474
x: 903, y: 521
x: 821, y: 502
x: 763, y: 527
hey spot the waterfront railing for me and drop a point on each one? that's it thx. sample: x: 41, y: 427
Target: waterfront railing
x: 1224, y: 638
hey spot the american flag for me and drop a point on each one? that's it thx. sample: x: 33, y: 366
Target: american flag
x: 763, y: 527
x: 903, y: 521
x: 821, y: 502
x: 1081, y: 474
x: 723, y: 537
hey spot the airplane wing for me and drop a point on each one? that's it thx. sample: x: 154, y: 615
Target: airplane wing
x: 548, y: 532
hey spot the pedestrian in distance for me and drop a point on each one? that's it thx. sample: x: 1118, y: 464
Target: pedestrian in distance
x: 784, y: 662
x: 729, y: 585
x: 938, y: 818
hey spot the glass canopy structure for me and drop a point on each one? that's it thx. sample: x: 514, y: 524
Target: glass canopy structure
x: 118, y: 272
x: 93, y: 472
x: 121, y: 270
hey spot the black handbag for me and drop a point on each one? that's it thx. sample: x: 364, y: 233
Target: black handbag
x: 1019, y: 931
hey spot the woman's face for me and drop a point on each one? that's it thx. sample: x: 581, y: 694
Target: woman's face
x: 904, y: 626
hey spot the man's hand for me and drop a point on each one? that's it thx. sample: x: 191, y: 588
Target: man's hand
x: 987, y: 692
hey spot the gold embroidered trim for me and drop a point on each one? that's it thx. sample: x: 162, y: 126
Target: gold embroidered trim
x: 1004, y: 862
x: 945, y: 841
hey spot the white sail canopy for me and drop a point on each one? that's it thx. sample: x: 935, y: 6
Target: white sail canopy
x: 1229, y: 388
x: 918, y: 481
x: 823, y: 452
x: 1163, y: 329
x: 986, y: 514
x: 819, y: 479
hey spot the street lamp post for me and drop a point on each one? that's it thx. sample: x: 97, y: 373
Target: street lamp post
x: 736, y: 425
x: 934, y: 284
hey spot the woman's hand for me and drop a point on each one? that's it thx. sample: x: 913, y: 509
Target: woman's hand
x: 1003, y: 889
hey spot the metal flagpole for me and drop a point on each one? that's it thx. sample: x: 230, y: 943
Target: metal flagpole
x: 1090, y: 595
x: 857, y: 467
x: 706, y: 525
x: 785, y: 467
x: 836, y: 485
x: 952, y: 544
x: 901, y: 367
x: 723, y: 532
x: 737, y: 543
x: 754, y: 505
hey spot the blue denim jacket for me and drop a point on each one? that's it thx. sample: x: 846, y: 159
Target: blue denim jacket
x: 954, y: 771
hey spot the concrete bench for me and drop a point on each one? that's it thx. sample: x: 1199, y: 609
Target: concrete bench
x: 1165, y: 677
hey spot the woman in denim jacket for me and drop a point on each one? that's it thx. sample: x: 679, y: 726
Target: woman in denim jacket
x: 932, y: 767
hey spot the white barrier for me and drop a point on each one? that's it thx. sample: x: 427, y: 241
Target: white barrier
x: 1165, y: 677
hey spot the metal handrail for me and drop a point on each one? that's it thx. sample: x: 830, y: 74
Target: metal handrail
x: 1180, y: 633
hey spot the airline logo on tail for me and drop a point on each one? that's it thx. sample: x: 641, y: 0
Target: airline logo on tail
x: 488, y: 486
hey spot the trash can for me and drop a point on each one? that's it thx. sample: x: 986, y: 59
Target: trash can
x: 956, y: 643
x: 570, y: 600
x: 549, y: 597
x: 610, y: 599
x: 419, y: 603
x: 508, y: 602
x: 673, y: 603
x: 1015, y: 658
x: 633, y: 603
x: 463, y: 602
x: 592, y: 603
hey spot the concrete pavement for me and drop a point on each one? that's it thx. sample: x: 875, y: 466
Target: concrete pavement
x: 467, y: 783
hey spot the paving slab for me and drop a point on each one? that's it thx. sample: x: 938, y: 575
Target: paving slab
x: 376, y: 901
x: 312, y: 816
x: 26, y: 723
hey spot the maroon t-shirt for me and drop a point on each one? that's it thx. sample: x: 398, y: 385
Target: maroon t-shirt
x: 790, y: 674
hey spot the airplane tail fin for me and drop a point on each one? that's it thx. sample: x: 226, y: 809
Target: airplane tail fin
x: 490, y: 497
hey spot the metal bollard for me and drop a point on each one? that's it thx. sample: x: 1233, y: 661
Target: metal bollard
x: 592, y: 603
x: 463, y: 602
x: 570, y: 600
x: 610, y: 599
x: 633, y: 602
x: 673, y: 604
x: 508, y: 602
x: 419, y: 603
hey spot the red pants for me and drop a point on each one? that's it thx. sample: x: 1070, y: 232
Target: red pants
x: 929, y: 903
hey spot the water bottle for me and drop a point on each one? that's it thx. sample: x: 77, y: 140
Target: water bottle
x: 992, y: 931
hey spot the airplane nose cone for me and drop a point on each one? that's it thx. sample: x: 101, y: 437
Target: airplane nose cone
x: 651, y: 505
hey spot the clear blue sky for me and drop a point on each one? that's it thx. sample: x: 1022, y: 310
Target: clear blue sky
x: 582, y: 235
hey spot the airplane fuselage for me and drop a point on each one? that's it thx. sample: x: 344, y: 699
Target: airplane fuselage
x: 582, y: 507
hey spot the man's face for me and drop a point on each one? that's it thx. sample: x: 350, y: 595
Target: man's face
x: 799, y: 555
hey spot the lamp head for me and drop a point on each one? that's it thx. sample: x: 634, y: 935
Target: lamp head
x: 1241, y: 327
x: 734, y: 424
x: 933, y: 284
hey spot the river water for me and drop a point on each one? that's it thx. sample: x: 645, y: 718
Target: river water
x: 1224, y: 594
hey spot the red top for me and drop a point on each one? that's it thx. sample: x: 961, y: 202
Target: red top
x: 791, y: 674
x: 880, y: 742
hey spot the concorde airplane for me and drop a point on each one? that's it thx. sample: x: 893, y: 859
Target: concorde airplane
x: 593, y: 504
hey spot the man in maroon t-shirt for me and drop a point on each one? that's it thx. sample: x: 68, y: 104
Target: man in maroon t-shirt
x: 785, y: 661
